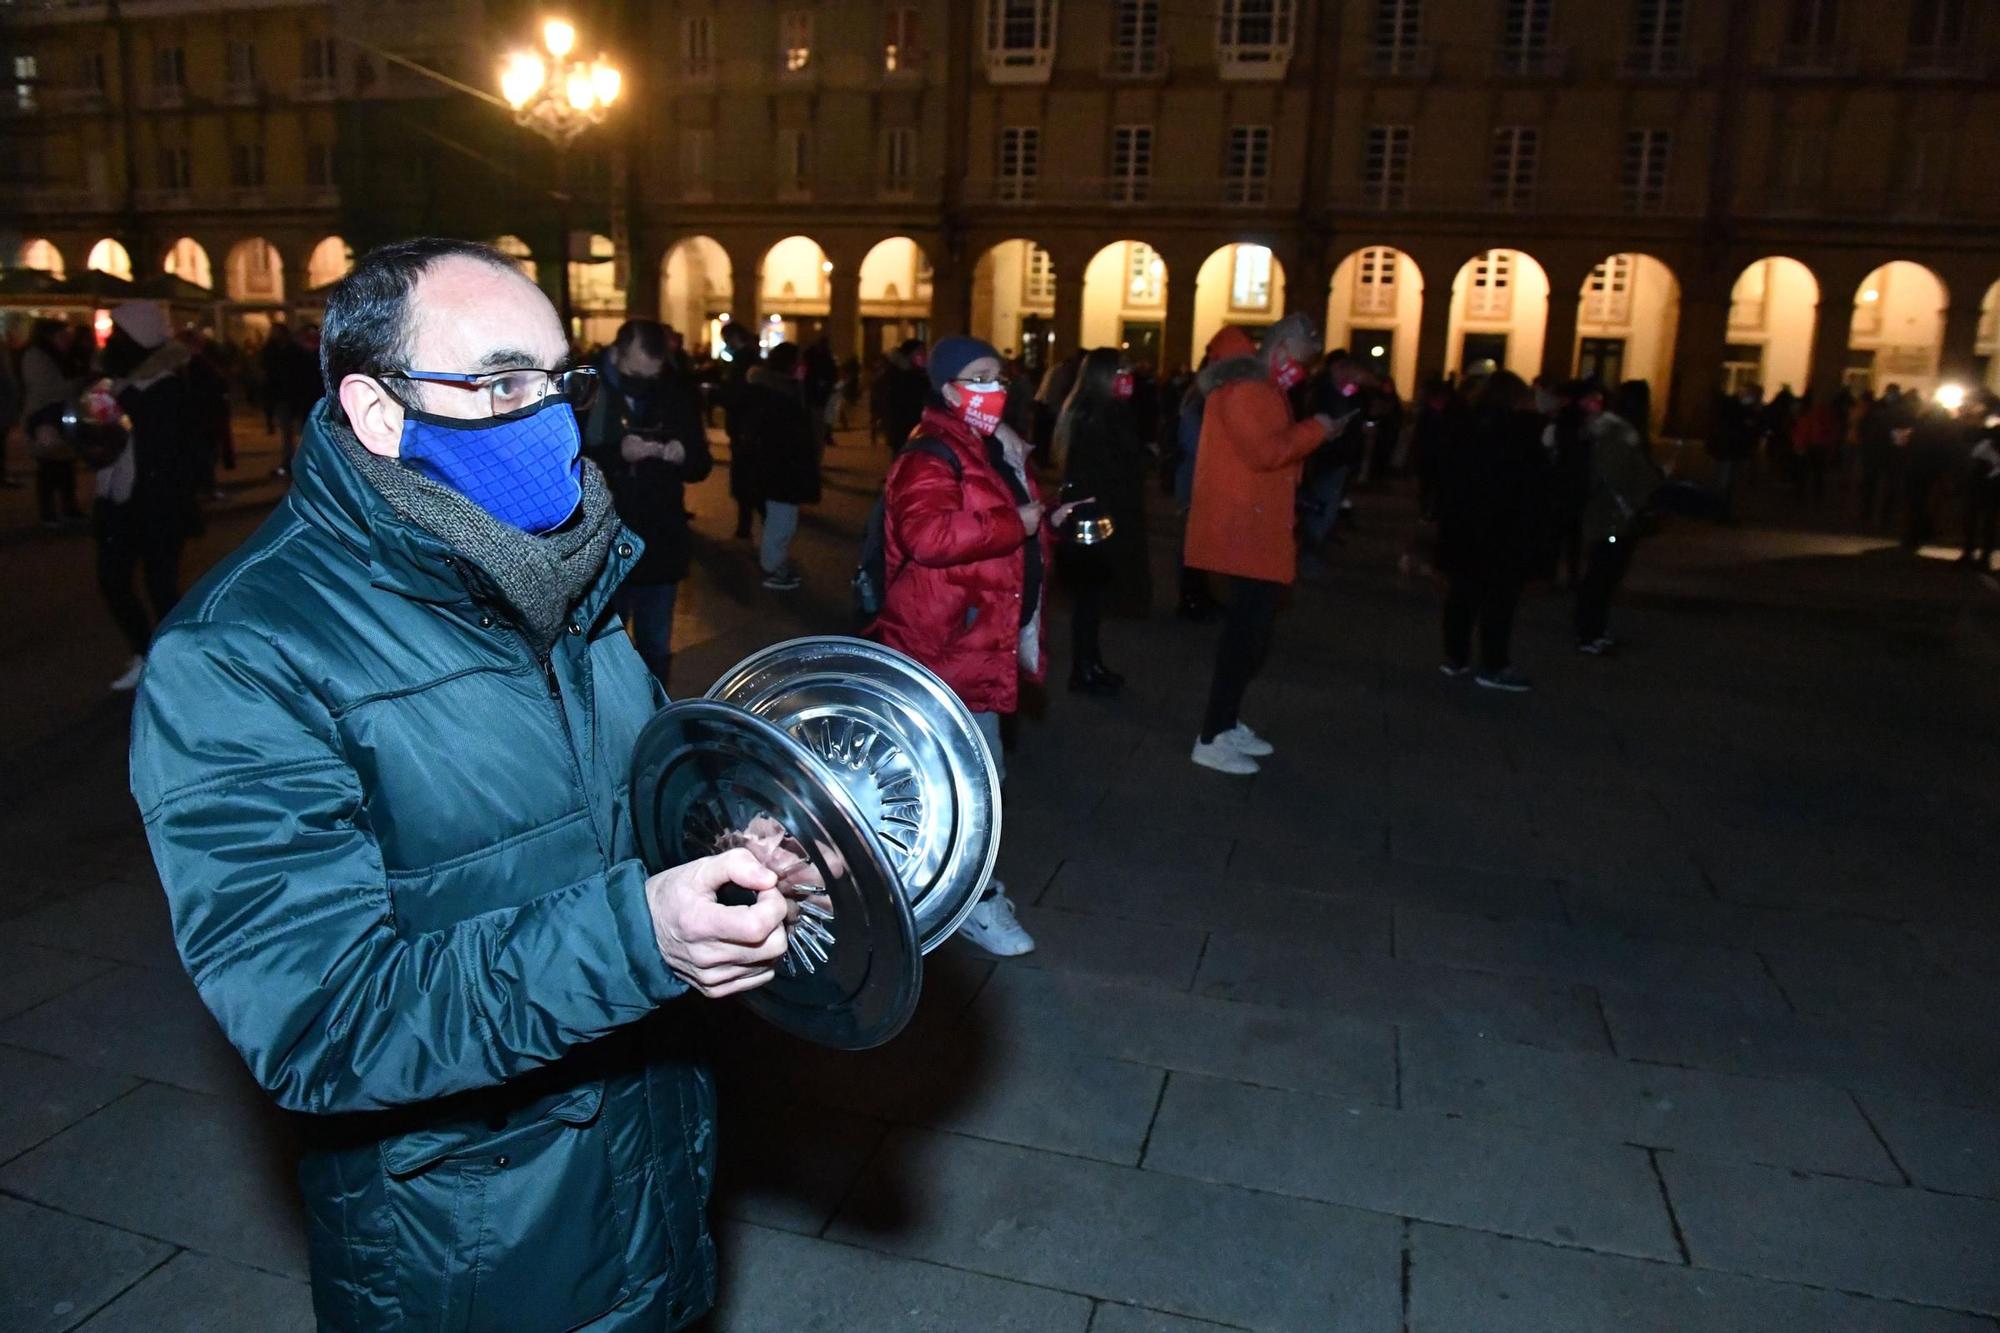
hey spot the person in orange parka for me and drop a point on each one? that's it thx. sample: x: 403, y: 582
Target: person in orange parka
x: 1240, y: 522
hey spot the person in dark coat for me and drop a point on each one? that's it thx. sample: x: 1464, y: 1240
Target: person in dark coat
x: 1939, y: 443
x: 382, y: 754
x: 740, y: 355
x: 901, y: 392
x: 1097, y: 444
x: 1493, y: 528
x: 645, y: 432
x: 782, y: 444
x: 145, y: 497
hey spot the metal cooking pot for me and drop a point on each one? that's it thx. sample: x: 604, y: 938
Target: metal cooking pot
x: 95, y: 426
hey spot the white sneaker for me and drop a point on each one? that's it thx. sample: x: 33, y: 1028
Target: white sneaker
x: 130, y: 680
x: 1245, y: 741
x: 1223, y: 757
x: 993, y: 928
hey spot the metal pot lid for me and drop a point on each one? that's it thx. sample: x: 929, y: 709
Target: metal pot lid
x: 904, y: 748
x: 707, y: 777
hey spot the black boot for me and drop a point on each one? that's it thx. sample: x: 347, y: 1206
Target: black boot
x: 1093, y: 679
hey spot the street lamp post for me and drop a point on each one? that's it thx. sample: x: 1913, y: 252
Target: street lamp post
x: 559, y: 95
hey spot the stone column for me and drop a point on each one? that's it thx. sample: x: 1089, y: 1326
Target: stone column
x: 1701, y: 333
x: 1433, y: 324
x: 1833, y: 324
x: 1958, y: 361
x: 1177, y: 336
x: 844, y: 305
x: 951, y: 296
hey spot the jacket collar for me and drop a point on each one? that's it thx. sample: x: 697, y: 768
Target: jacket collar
x: 328, y: 491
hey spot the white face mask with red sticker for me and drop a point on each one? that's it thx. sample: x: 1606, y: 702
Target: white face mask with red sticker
x: 980, y: 404
x: 1287, y: 371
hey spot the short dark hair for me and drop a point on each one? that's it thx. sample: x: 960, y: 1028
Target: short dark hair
x: 367, y: 326
x: 648, y: 335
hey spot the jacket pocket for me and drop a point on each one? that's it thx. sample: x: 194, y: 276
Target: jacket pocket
x: 514, y: 1227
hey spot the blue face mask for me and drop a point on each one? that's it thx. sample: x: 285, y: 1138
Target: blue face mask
x: 525, y: 469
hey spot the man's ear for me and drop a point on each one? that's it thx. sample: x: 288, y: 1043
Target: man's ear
x: 375, y: 417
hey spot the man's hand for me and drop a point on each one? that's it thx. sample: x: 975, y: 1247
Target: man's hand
x: 1063, y: 511
x: 673, y: 451
x: 637, y: 448
x: 1331, y: 427
x: 1031, y: 517
x: 719, y: 950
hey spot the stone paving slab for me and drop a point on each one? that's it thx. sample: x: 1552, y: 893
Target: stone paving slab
x: 1801, y: 1124
x: 1114, y: 1318
x: 1907, y: 1244
x: 1001, y: 1090
x: 785, y: 1165
x: 1209, y: 900
x: 1294, y: 864
x: 1963, y: 1071
x: 1546, y: 1185
x: 206, y: 1172
x: 1309, y: 975
x: 1261, y: 1044
x: 41, y: 1096
x: 1881, y: 986
x: 1466, y: 1280
x: 1944, y: 1148
x: 137, y: 1020
x: 1138, y: 1237
x: 1600, y: 958
x: 31, y: 974
x: 1148, y: 951
x: 1730, y: 925
x: 55, y: 1269
x: 1472, y: 836
x: 195, y: 1293
x: 127, y: 923
x: 775, y: 1282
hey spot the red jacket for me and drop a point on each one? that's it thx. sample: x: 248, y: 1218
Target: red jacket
x: 1246, y: 468
x: 955, y: 561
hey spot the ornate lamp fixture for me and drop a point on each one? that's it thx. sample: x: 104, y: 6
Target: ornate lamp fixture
x: 553, y: 94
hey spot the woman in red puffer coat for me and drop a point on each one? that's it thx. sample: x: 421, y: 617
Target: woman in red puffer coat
x: 966, y: 555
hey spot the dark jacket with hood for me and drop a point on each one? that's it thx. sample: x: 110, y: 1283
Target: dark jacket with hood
x: 384, y: 779
x: 780, y: 442
x: 1494, y: 518
x: 650, y: 494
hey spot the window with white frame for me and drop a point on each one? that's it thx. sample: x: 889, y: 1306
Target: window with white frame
x: 1659, y: 34
x: 1255, y: 32
x: 1385, y: 166
x: 1038, y: 285
x: 1247, y: 174
x: 899, y: 159
x: 1019, y: 163
x: 1511, y: 177
x: 240, y: 63
x: 697, y: 155
x: 698, y: 45
x: 1250, y: 278
x: 1020, y: 34
x: 1607, y: 292
x: 320, y: 60
x: 1135, y: 37
x: 1524, y: 35
x: 176, y: 169
x: 899, y: 40
x: 169, y: 69
x: 27, y: 74
x: 1489, y: 288
x: 246, y: 166
x: 794, y: 161
x: 795, y: 39
x: 1375, y: 282
x: 1396, y: 40
x: 1642, y: 169
x: 1131, y: 163
x: 1145, y: 276
x: 260, y: 268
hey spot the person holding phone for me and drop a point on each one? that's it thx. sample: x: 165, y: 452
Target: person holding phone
x: 1103, y: 463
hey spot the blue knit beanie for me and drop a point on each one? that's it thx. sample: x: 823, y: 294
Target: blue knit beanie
x: 951, y: 356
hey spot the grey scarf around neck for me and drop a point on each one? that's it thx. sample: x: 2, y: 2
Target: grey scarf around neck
x: 541, y: 578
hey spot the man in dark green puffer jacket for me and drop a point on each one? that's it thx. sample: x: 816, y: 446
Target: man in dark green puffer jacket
x: 381, y: 753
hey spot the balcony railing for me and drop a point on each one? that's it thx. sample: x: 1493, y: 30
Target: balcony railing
x: 1544, y: 200
x: 1260, y: 62
x: 1097, y: 191
x: 74, y: 100
x: 1943, y: 62
x: 316, y: 88
x: 1019, y: 64
x: 1417, y: 60
x: 1530, y: 62
x: 1148, y: 61
x: 165, y: 96
x: 1656, y: 62
x: 54, y: 199
x: 1812, y: 60
x: 166, y: 199
x: 243, y: 93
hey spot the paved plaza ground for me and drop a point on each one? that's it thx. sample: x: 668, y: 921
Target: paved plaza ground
x: 1660, y: 999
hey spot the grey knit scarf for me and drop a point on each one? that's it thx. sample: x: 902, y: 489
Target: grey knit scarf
x: 541, y: 578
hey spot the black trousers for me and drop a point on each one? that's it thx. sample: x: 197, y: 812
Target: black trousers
x: 1982, y: 517
x: 55, y: 490
x: 1609, y: 560
x: 1240, y: 654
x: 126, y: 542
x: 1490, y: 601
